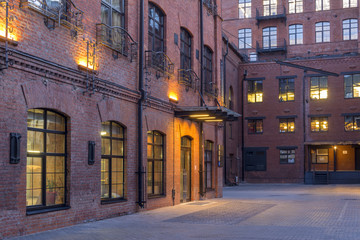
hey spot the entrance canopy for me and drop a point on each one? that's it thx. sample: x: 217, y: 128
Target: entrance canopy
x: 207, y: 114
x: 333, y: 143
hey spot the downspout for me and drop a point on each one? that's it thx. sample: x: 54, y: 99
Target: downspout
x: 304, y: 121
x: 242, y: 128
x: 201, y: 140
x: 224, y: 86
x: 140, y: 109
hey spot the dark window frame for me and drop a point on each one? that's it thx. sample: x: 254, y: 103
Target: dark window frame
x: 322, y: 31
x: 287, y: 153
x: 152, y: 35
x: 317, y: 156
x: 319, y: 87
x: 208, y: 69
x: 246, y: 5
x: 285, y: 88
x: 267, y: 35
x: 351, y: 86
x: 353, y: 122
x: 297, y: 4
x: 185, y: 49
x: 348, y: 3
x: 111, y: 9
x: 353, y: 26
x: 209, y: 150
x: 258, y: 123
x: 287, y: 121
x: 321, y: 120
x: 269, y: 7
x: 244, y: 34
x: 321, y: 7
x: 255, y: 87
x: 298, y: 30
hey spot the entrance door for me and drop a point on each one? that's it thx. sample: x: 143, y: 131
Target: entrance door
x: 357, y: 158
x: 185, y: 170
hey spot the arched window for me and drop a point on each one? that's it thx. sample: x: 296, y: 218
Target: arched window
x: 112, y: 161
x: 155, y: 163
x: 208, y: 69
x: 209, y: 146
x: 46, y: 159
x: 185, y: 49
x: 156, y: 29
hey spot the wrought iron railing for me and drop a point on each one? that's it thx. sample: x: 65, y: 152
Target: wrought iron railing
x: 270, y: 12
x: 211, y: 6
x: 116, y: 38
x: 160, y: 62
x: 211, y: 89
x: 62, y: 12
x: 280, y: 47
x: 188, y: 78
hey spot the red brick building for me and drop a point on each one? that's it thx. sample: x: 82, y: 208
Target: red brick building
x: 105, y: 110
x: 300, y: 94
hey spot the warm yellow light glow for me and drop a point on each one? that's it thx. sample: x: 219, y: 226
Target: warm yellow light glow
x: 206, y: 118
x: 11, y: 36
x: 32, y: 151
x: 82, y: 63
x: 335, y: 147
x: 323, y: 94
x: 103, y: 133
x: 199, y: 115
x: 215, y: 120
x: 173, y: 97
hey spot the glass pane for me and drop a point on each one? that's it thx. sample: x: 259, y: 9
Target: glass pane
x: 158, y: 138
x: 105, y: 13
x: 116, y: 19
x: 116, y: 4
x: 35, y: 118
x: 105, y: 146
x: 259, y: 126
x: 33, y: 181
x: 117, y: 131
x: 315, y: 125
x: 117, y: 147
x: 35, y: 142
x: 283, y: 126
x: 291, y: 125
x: 149, y: 177
x: 349, y: 123
x: 150, y: 151
x: 158, y: 152
x: 104, y: 178
x: 158, y: 177
x: 55, y: 122
x: 356, y: 123
x: 105, y: 129
x: 55, y: 143
x: 150, y: 137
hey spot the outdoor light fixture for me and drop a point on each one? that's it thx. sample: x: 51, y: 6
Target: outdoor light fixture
x: 173, y: 98
x: 335, y: 147
x: 214, y: 120
x: 200, y: 115
x: 82, y: 66
x: 103, y: 133
x: 91, y: 152
x: 15, y: 148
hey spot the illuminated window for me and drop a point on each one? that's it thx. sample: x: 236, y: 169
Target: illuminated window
x: 318, y: 88
x: 352, y: 123
x: 112, y: 161
x: 296, y: 34
x: 322, y: 5
x: 156, y: 29
x: 269, y: 37
x: 320, y: 155
x: 322, y: 32
x: 270, y: 7
x: 319, y: 124
x: 287, y: 156
x: 155, y: 163
x: 286, y: 90
x: 113, y: 13
x: 352, y: 86
x: 350, y: 3
x: 245, y: 38
x: 255, y: 126
x: 46, y: 159
x: 295, y: 6
x: 244, y: 8
x: 255, y: 91
x: 209, y: 146
x: 350, y: 29
x: 287, y: 125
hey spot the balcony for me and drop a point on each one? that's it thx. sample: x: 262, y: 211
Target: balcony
x: 211, y: 89
x: 160, y: 62
x: 117, y: 39
x: 188, y: 78
x: 267, y: 13
x: 61, y: 12
x: 280, y: 47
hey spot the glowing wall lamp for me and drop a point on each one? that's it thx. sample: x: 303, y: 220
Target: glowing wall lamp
x: 173, y: 98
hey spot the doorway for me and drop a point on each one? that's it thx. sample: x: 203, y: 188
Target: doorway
x: 185, y: 170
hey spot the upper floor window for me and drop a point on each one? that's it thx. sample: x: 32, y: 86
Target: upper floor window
x: 113, y: 13
x: 287, y: 125
x: 352, y: 123
x: 231, y: 98
x: 287, y: 156
x: 318, y: 88
x: 253, y: 57
x: 270, y: 7
x: 350, y: 3
x: 350, y: 29
x: 269, y: 37
x: 112, y: 161
x: 286, y: 90
x: 255, y: 91
x: 322, y: 32
x: 352, y: 86
x: 244, y: 8
x: 255, y: 126
x: 295, y: 6
x: 46, y: 159
x: 209, y: 148
x: 319, y: 124
x: 208, y: 69
x: 185, y: 49
x: 322, y: 5
x: 155, y: 163
x: 156, y: 29
x: 296, y: 34
x: 245, y: 38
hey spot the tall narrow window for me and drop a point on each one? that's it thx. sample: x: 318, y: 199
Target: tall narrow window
x: 350, y: 3
x: 322, y: 5
x: 270, y: 37
x: 208, y: 70
x: 209, y: 147
x: 270, y: 7
x: 46, y: 159
x: 156, y: 29
x: 322, y: 32
x: 296, y: 34
x: 352, y: 86
x: 286, y: 90
x: 244, y: 8
x: 113, y: 13
x: 155, y: 163
x: 350, y: 29
x: 255, y: 91
x: 185, y: 49
x: 245, y: 38
x: 295, y: 6
x: 255, y: 126
x: 112, y: 161
x: 352, y: 123
x: 319, y: 124
x: 318, y: 88
x: 287, y: 125
x: 231, y: 98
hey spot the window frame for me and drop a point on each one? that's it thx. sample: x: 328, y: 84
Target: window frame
x: 244, y: 5
x: 350, y: 3
x: 153, y: 160
x: 111, y: 9
x: 296, y: 34
x: 269, y: 35
x: 209, y: 149
x: 319, y: 88
x: 288, y: 121
x: 185, y: 49
x: 288, y: 153
x: 255, y: 87
x: 258, y: 123
x: 352, y: 87
x: 322, y: 32
x: 319, y: 5
x: 321, y: 121
x: 350, y: 29
x: 208, y: 69
x: 287, y: 89
x: 269, y: 7
x: 152, y: 34
x: 317, y: 156
x: 354, y: 119
x: 296, y: 6
x: 245, y: 41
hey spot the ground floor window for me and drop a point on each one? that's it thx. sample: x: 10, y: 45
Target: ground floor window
x: 287, y: 156
x: 209, y: 163
x: 155, y: 163
x: 320, y: 155
x: 255, y: 159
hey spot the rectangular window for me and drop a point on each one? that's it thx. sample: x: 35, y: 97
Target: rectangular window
x: 287, y: 125
x: 295, y: 6
x: 113, y: 13
x: 296, y: 34
x: 255, y: 91
x: 350, y: 29
x: 255, y: 159
x: 318, y: 88
x: 350, y: 3
x: 270, y: 7
x: 352, y: 123
x: 245, y: 38
x: 208, y: 72
x: 352, y: 86
x: 319, y: 124
x: 255, y: 126
x: 209, y: 163
x: 320, y: 155
x: 253, y: 57
x: 269, y: 37
x: 185, y: 49
x: 155, y: 163
x: 287, y: 156
x: 322, y: 5
x: 322, y: 32
x: 244, y: 8
x: 286, y: 90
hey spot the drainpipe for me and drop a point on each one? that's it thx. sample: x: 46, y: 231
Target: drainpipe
x: 304, y: 121
x: 242, y: 128
x: 224, y: 86
x: 201, y: 140
x: 140, y: 109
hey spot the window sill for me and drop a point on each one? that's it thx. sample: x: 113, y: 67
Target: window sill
x: 156, y: 196
x: 46, y: 210
x: 110, y: 201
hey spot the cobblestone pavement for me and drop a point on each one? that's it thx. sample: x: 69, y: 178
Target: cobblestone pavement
x: 248, y: 211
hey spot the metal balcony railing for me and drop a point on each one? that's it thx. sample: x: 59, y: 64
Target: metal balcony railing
x: 211, y: 89
x: 160, y: 62
x: 211, y: 6
x: 62, y: 12
x: 117, y: 39
x: 270, y: 12
x: 279, y: 47
x: 188, y: 78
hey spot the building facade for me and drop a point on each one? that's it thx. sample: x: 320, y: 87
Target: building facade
x: 301, y: 89
x: 106, y: 110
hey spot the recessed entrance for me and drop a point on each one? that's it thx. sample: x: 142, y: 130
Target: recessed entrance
x: 185, y: 170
